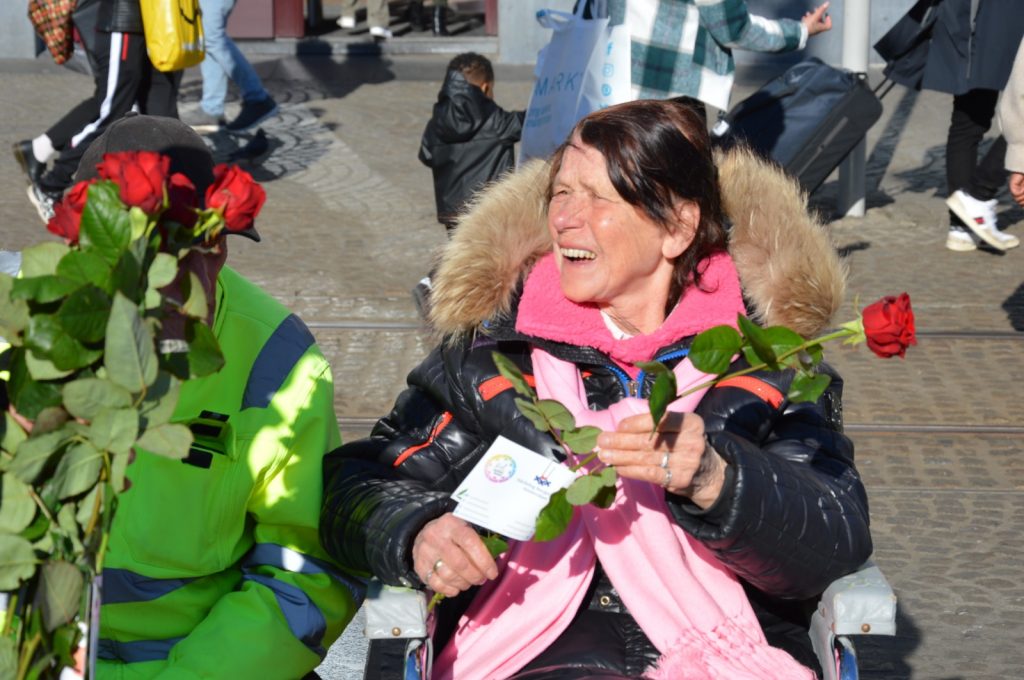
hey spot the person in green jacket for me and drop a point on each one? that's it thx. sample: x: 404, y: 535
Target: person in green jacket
x: 214, y: 566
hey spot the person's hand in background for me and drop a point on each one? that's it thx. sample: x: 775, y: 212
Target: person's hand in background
x: 1017, y: 187
x: 817, y: 20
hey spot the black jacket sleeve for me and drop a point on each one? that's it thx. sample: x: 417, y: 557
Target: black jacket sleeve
x: 381, y: 491
x: 793, y: 514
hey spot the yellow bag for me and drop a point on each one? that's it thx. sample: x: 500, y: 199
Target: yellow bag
x: 174, y: 33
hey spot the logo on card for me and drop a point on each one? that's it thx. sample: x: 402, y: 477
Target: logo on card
x: 500, y: 468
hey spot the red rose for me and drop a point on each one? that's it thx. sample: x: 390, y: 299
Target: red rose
x: 140, y: 176
x: 67, y: 214
x: 183, y: 201
x: 236, y: 196
x: 889, y: 326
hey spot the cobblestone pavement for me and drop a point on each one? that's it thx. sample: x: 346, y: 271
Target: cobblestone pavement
x: 349, y: 228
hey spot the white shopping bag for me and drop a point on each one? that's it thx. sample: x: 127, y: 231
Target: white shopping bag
x: 585, y: 67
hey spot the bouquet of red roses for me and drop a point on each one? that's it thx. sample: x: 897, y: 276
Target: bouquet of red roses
x: 91, y: 376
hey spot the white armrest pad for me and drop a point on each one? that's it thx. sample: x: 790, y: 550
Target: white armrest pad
x: 862, y: 603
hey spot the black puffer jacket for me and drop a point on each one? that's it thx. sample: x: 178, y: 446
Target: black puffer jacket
x: 468, y: 142
x: 793, y: 514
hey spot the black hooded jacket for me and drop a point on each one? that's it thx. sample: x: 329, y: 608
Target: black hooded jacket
x: 468, y: 142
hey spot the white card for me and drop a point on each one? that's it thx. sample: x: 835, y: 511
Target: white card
x: 508, y: 487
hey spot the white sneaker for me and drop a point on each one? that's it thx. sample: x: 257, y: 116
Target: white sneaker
x: 980, y: 217
x: 381, y: 32
x: 346, y: 22
x: 961, y: 240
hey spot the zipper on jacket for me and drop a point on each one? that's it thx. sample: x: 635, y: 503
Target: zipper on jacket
x: 634, y: 388
x: 675, y: 354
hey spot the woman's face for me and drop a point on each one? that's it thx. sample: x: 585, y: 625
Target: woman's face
x: 609, y: 252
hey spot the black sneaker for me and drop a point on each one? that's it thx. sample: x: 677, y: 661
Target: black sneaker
x: 252, y: 114
x: 201, y: 121
x: 43, y: 201
x: 27, y: 160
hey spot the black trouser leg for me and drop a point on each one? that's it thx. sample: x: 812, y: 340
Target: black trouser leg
x: 121, y: 81
x: 972, y: 117
x: 990, y: 175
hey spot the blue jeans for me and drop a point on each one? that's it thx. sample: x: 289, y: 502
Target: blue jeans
x: 224, y: 60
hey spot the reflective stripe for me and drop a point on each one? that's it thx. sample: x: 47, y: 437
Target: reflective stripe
x: 276, y: 359
x: 137, y: 651
x: 122, y: 585
x: 304, y: 618
x: 280, y: 557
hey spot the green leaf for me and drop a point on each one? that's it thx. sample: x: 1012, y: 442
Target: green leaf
x: 161, y: 400
x: 17, y: 509
x: 42, y: 258
x: 204, y: 355
x: 28, y: 396
x: 127, y: 276
x: 69, y: 529
x: 86, y: 506
x: 50, y: 419
x: 808, y: 387
x: 42, y: 289
x: 758, y: 344
x: 86, y: 268
x: 78, y: 470
x: 48, y: 339
x: 712, y: 351
x: 782, y: 339
x: 604, y: 497
x: 195, y: 304
x: 511, y: 372
x: 495, y: 544
x: 86, y: 397
x: 581, y: 440
x: 59, y: 594
x: 13, y: 313
x: 17, y: 561
x: 608, y: 476
x: 105, y: 228
x: 43, y: 369
x: 554, y: 518
x: 8, y: 658
x: 171, y: 440
x: 138, y: 222
x: 33, y: 454
x: 583, y: 489
x: 130, y: 359
x: 663, y: 393
x: 65, y: 644
x: 84, y: 313
x: 162, y: 270
x: 13, y: 435
x: 530, y: 410
x: 556, y: 414
x: 118, y: 469
x: 115, y: 429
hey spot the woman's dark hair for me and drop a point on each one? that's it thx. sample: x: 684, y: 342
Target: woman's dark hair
x: 658, y: 152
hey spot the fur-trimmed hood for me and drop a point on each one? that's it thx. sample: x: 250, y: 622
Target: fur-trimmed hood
x: 790, y: 272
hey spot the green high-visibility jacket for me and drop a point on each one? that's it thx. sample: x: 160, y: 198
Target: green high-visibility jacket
x: 214, y: 567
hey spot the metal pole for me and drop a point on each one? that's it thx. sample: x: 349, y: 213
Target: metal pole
x: 856, y: 26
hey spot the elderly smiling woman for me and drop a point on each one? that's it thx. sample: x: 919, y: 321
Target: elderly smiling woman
x: 743, y: 506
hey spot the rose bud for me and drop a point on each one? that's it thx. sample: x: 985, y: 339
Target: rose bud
x: 889, y: 326
x: 236, y: 196
x: 67, y: 214
x: 183, y: 200
x: 140, y: 177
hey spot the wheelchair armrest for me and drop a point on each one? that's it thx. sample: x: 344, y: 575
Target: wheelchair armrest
x: 861, y: 603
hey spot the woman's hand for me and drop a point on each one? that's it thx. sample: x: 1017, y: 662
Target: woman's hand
x: 677, y: 458
x: 817, y: 21
x: 1016, y: 182
x: 450, y: 557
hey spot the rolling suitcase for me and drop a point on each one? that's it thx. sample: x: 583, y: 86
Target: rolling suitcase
x: 806, y: 120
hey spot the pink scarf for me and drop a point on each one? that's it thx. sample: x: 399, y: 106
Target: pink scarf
x: 691, y: 607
